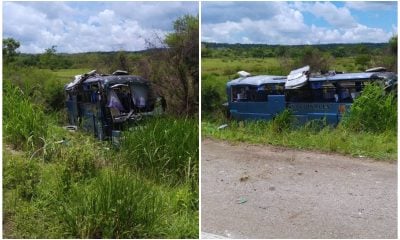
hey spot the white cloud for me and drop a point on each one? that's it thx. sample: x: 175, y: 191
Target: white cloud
x: 106, y: 26
x: 336, y: 16
x: 365, y: 6
x: 357, y: 34
x: 287, y: 26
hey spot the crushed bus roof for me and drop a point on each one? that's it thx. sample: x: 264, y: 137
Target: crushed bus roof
x: 106, y: 80
x: 257, y: 80
x: 111, y: 79
x: 272, y: 79
x: 346, y: 76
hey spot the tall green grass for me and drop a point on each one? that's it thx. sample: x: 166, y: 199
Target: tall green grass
x: 24, y: 123
x: 114, y: 205
x: 118, y: 204
x: 381, y: 146
x: 163, y: 148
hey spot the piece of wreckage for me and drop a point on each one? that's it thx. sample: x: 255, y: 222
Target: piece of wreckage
x: 106, y: 104
x: 321, y: 97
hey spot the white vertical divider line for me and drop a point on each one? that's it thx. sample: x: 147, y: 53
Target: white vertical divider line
x: 398, y: 130
x: 199, y: 12
x: 1, y: 119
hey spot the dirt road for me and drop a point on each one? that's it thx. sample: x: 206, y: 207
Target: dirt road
x: 268, y: 192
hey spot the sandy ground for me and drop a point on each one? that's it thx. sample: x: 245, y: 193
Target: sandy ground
x: 253, y: 191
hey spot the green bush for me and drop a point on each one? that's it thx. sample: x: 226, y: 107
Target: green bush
x: 21, y: 174
x: 210, y: 99
x: 282, y: 122
x: 78, y: 166
x: 373, y: 111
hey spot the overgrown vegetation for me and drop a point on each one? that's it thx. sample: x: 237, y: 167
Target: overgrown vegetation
x: 61, y: 184
x: 370, y: 129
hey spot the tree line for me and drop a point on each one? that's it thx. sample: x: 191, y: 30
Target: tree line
x: 319, y: 56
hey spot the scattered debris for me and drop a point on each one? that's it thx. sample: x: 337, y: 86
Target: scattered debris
x: 244, y: 178
x: 63, y: 141
x: 71, y: 128
x: 222, y: 126
x: 241, y: 200
x: 244, y: 74
x: 360, y: 211
x: 227, y: 234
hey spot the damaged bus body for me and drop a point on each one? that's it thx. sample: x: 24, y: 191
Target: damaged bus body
x: 104, y: 104
x: 309, y: 97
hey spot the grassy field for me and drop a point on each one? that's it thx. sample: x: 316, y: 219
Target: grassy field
x: 217, y: 71
x: 66, y: 75
x: 61, y: 184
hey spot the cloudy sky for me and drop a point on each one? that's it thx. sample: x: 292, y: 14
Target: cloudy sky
x: 90, y: 26
x: 298, y: 22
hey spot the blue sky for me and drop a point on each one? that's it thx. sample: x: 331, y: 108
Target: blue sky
x: 298, y: 22
x: 90, y: 26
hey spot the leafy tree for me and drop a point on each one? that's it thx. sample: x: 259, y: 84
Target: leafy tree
x: 339, y: 52
x: 210, y: 99
x: 10, y: 46
x: 49, y: 58
x: 362, y: 60
x: 393, y: 45
x: 280, y: 51
x: 390, y: 60
x: 183, y: 61
x: 205, y: 51
x: 317, y: 60
x: 122, y: 61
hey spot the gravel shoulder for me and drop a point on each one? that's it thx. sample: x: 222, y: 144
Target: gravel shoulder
x: 254, y: 191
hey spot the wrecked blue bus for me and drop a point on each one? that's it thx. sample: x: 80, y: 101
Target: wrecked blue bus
x: 308, y: 96
x: 104, y: 104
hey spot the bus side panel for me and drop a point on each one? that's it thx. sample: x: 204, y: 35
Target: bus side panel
x: 249, y: 110
x: 315, y: 111
x: 258, y: 110
x: 276, y: 104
